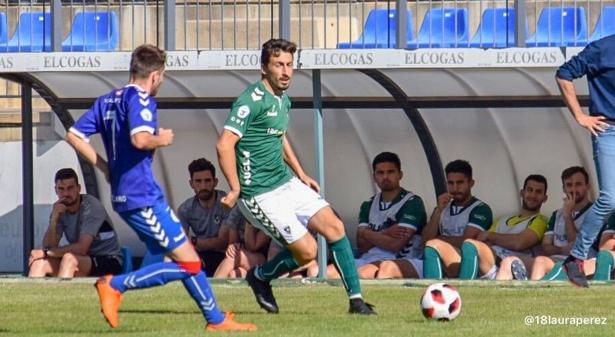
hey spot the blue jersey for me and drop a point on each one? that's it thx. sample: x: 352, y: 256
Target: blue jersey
x: 117, y: 116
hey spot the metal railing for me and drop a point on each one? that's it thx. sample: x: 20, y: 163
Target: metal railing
x: 317, y: 24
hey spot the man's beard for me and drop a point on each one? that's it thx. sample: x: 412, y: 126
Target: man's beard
x: 205, y: 195
x: 527, y: 207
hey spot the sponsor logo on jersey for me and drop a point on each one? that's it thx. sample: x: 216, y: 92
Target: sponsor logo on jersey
x: 287, y: 229
x: 273, y: 112
x: 245, y: 164
x: 480, y: 217
x: 243, y: 111
x: 118, y: 198
x: 146, y: 115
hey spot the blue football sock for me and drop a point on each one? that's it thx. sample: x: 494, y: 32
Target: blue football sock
x: 164, y: 272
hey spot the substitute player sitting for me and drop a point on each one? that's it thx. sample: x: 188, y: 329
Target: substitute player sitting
x: 458, y: 216
x: 390, y: 224
x: 562, y: 230
x: 257, y: 158
x: 509, y: 235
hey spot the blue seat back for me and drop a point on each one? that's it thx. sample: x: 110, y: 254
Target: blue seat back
x: 496, y: 29
x: 605, y: 25
x: 380, y: 30
x: 93, y: 31
x: 127, y: 255
x: 561, y: 26
x: 3, y: 28
x: 444, y: 27
x: 33, y: 33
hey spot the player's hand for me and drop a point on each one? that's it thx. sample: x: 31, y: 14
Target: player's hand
x: 310, y: 182
x: 58, y: 209
x: 166, y: 136
x: 568, y: 205
x: 595, y: 124
x: 230, y: 199
x: 397, y: 232
x: 443, y: 200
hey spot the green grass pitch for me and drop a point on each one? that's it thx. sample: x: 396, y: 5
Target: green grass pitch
x: 70, y: 308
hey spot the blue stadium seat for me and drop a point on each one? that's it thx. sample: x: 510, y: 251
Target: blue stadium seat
x: 605, y: 25
x: 496, y: 29
x: 150, y: 258
x: 33, y: 33
x: 3, y: 28
x: 127, y: 254
x: 93, y: 31
x: 380, y: 30
x: 560, y: 26
x: 443, y: 28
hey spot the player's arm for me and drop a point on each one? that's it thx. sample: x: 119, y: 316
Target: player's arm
x: 81, y: 247
x: 291, y: 159
x: 362, y: 244
x: 517, y: 242
x: 548, y: 248
x: 577, y: 67
x: 431, y: 229
x: 219, y: 242
x: 228, y: 164
x: 480, y: 221
x: 52, y: 237
x: 385, y: 241
x: 146, y: 141
x: 87, y: 152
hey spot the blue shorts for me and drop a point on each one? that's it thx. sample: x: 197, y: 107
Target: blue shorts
x: 157, y: 226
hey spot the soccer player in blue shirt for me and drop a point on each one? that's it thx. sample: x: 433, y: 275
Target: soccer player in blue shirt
x: 596, y: 61
x: 127, y: 120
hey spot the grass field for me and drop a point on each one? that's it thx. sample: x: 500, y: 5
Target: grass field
x: 70, y: 308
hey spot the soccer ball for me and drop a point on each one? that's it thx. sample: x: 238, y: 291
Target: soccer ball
x: 441, y: 301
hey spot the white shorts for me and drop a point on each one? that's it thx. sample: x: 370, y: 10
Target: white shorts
x: 284, y: 212
x: 374, y: 254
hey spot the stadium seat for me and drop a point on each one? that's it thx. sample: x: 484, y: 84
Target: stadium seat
x: 127, y: 255
x: 93, y: 31
x: 33, y: 33
x: 380, y: 30
x: 496, y: 29
x: 443, y: 28
x: 605, y: 25
x: 560, y: 26
x: 150, y: 258
x: 3, y: 28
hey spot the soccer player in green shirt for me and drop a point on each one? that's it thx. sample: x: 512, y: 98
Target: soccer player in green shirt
x: 257, y: 159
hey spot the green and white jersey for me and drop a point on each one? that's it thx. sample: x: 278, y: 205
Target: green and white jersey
x: 557, y: 225
x: 260, y: 119
x: 406, y: 209
x: 454, y: 219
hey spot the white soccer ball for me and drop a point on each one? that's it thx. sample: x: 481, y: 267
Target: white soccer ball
x: 441, y: 301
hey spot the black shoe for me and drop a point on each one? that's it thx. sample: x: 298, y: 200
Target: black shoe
x: 358, y: 306
x: 575, y: 272
x: 262, y: 292
x: 518, y: 270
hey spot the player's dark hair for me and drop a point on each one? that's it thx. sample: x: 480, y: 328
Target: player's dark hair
x: 569, y: 172
x: 274, y: 47
x: 537, y: 178
x: 386, y: 157
x: 459, y: 166
x: 145, y: 60
x: 201, y: 164
x: 66, y: 173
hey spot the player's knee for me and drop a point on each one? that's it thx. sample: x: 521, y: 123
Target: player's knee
x: 507, y: 262
x: 335, y: 231
x: 384, y: 271
x: 434, y: 243
x: 306, y: 256
x: 540, y: 261
x: 69, y: 260
x: 191, y: 267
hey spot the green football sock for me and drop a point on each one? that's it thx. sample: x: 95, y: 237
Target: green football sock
x: 556, y: 273
x: 344, y: 263
x: 604, y: 266
x: 283, y: 262
x: 432, y: 267
x: 468, y: 270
